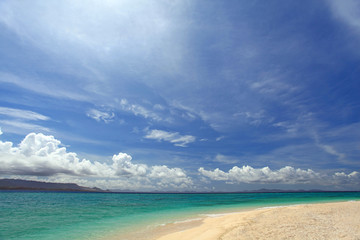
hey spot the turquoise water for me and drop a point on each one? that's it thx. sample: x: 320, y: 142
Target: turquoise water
x: 54, y: 215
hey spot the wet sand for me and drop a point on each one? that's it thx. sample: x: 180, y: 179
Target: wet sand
x: 309, y: 221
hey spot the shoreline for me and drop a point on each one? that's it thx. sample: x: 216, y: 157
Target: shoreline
x: 330, y: 220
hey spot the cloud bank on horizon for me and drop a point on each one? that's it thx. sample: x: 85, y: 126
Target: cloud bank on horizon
x: 40, y: 155
x: 228, y: 95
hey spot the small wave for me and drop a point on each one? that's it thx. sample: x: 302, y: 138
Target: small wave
x: 218, y: 214
x: 215, y: 215
x: 271, y: 207
x: 188, y: 220
x: 179, y: 222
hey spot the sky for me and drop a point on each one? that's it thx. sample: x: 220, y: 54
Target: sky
x: 181, y: 95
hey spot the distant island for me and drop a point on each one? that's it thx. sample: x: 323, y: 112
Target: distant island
x: 18, y: 184
x: 28, y: 185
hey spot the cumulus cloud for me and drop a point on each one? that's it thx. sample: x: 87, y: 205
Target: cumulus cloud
x: 247, y: 174
x: 124, y: 167
x: 43, y: 155
x: 285, y: 175
x: 173, y: 176
x: 343, y: 178
x: 173, y: 137
x: 100, y: 115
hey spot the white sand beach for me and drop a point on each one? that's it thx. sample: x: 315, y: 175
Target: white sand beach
x: 340, y: 220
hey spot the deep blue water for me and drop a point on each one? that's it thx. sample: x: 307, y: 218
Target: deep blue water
x: 55, y: 215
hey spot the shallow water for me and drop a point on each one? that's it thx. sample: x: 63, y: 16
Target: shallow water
x: 55, y: 215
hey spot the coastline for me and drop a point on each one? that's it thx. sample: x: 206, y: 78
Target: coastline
x: 133, y: 216
x: 333, y: 220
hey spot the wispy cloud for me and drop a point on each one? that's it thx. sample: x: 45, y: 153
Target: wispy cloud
x: 21, y: 121
x: 138, y: 110
x: 100, y: 115
x: 20, y: 127
x: 22, y: 114
x: 220, y: 138
x: 185, y: 112
x: 68, y: 26
x: 254, y: 118
x: 172, y: 137
x: 273, y: 83
x: 225, y: 159
x: 185, y: 70
x: 347, y: 11
x: 43, y: 87
x: 331, y: 150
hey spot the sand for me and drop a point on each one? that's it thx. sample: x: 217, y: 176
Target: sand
x: 310, y: 221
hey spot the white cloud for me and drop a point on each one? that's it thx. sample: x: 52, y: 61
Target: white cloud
x: 124, y: 167
x: 20, y: 121
x: 254, y: 118
x: 100, y: 115
x: 173, y: 137
x: 173, y: 176
x: 220, y: 138
x: 42, y: 155
x: 128, y: 29
x: 23, y: 114
x: 42, y: 86
x: 225, y: 159
x: 247, y: 174
x: 159, y: 107
x: 348, y: 11
x: 343, y: 178
x: 285, y: 175
x: 274, y: 83
x: 183, y: 111
x: 20, y: 127
x: 138, y: 110
x: 290, y: 128
x: 331, y: 150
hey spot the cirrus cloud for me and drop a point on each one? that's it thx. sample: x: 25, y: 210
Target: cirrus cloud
x: 172, y: 137
x: 100, y: 115
x: 22, y: 114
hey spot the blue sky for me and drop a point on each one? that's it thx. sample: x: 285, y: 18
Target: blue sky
x: 181, y: 95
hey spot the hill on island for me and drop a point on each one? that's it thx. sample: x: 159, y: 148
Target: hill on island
x: 18, y: 184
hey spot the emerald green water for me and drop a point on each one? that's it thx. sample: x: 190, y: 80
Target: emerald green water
x: 54, y: 215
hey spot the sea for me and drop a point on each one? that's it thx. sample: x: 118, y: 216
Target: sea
x: 95, y: 216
